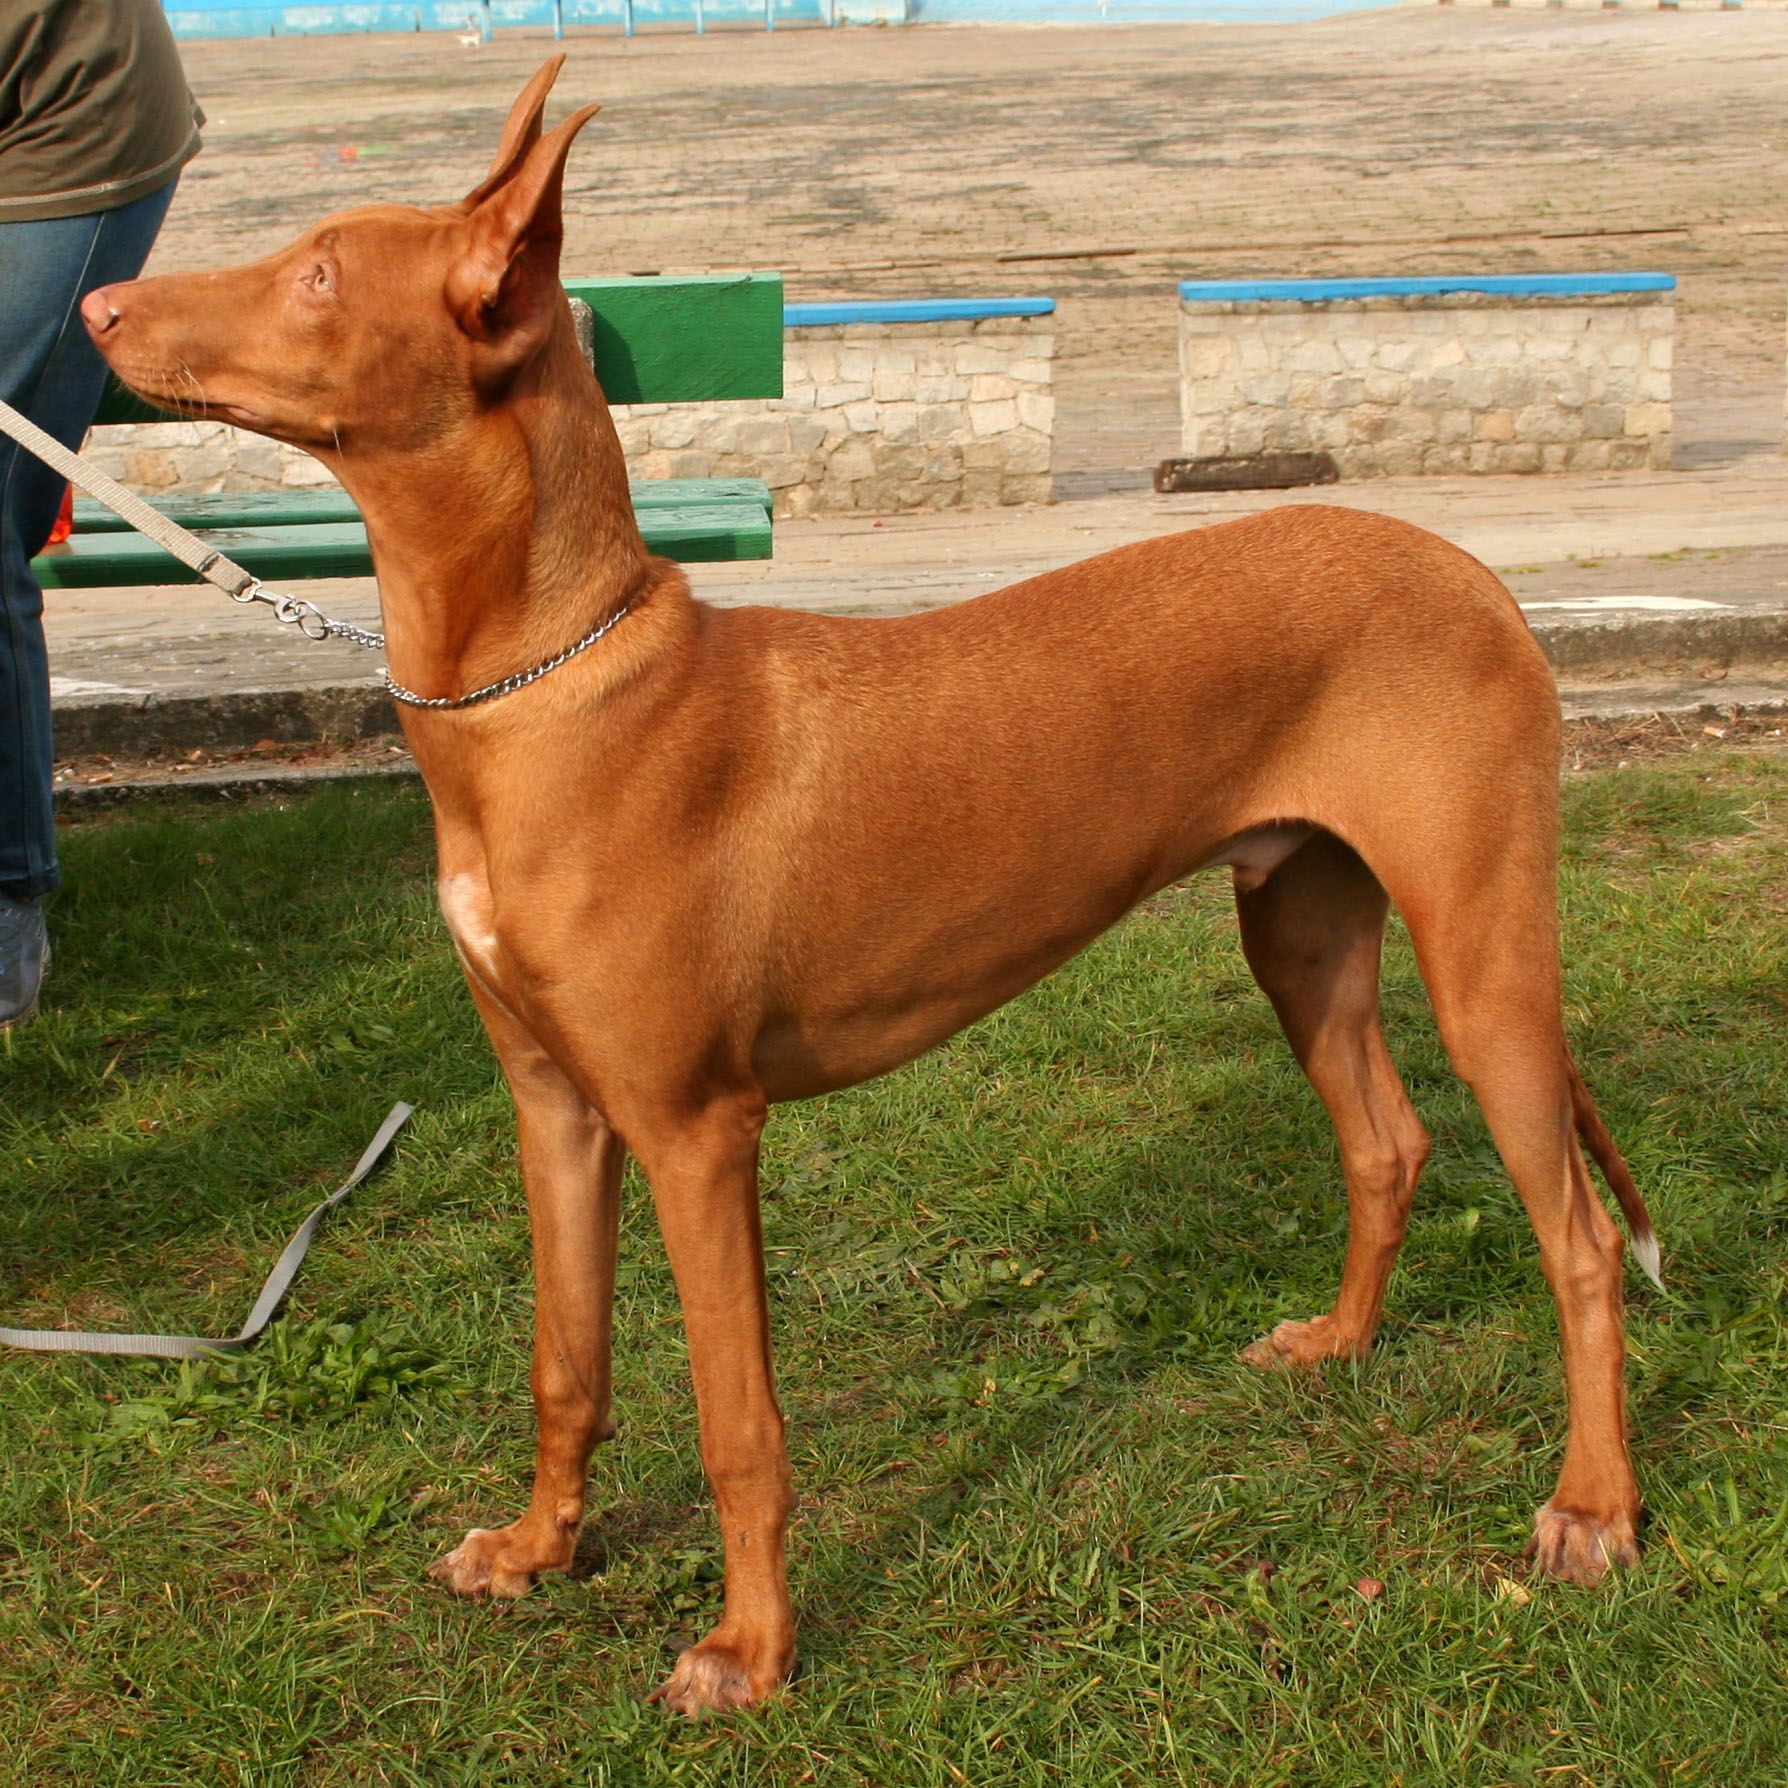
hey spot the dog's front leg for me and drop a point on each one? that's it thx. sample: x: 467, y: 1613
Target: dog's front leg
x: 571, y: 1166
x: 703, y: 1171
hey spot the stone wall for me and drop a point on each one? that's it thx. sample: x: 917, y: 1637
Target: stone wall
x: 1540, y: 373
x: 933, y: 404
x: 187, y: 458
x: 885, y: 407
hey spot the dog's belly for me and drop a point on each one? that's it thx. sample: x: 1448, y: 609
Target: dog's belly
x: 891, y: 998
x: 799, y: 1056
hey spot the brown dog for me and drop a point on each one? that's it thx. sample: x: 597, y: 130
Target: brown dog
x: 720, y: 859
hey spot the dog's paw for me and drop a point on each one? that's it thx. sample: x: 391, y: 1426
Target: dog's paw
x: 1294, y: 1344
x: 715, y: 1677
x: 496, y: 1562
x: 1579, y: 1548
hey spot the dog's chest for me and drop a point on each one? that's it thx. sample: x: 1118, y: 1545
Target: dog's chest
x: 466, y: 906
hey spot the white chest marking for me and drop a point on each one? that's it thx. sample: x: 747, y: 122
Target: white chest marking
x: 465, y: 905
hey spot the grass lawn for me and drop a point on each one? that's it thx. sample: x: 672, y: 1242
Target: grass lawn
x: 1050, y: 1530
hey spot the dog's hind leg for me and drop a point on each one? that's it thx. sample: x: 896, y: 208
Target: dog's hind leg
x: 1312, y: 933
x: 1485, y: 933
x: 571, y: 1166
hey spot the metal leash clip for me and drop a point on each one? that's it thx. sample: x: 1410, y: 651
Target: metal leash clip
x: 205, y: 560
x: 309, y: 619
x: 296, y: 611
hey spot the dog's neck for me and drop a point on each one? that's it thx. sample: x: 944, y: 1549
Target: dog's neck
x: 504, y: 539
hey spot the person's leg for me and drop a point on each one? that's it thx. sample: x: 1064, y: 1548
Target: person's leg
x: 50, y: 371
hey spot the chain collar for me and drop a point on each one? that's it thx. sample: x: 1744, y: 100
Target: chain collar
x: 507, y: 685
x: 310, y: 620
x: 240, y: 586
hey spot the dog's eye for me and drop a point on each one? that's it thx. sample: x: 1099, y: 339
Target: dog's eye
x: 321, y: 281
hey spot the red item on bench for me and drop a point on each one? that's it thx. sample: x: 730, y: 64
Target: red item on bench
x: 64, y: 518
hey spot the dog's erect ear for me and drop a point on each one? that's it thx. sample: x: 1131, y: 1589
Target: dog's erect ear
x: 504, y: 288
x: 520, y: 134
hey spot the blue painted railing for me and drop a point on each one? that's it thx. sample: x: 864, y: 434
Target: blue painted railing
x: 913, y: 310
x: 293, y: 18
x: 296, y: 18
x: 1499, y: 285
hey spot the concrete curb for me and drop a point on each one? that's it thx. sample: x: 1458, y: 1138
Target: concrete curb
x: 231, y: 783
x: 236, y: 720
x: 148, y: 726
x: 1661, y: 642
x: 1614, y: 704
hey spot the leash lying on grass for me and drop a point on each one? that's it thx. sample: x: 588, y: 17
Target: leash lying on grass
x: 239, y: 586
x: 192, y: 1347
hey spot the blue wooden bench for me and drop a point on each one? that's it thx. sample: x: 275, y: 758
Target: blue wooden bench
x: 657, y: 340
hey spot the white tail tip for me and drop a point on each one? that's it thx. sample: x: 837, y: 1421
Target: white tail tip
x: 1645, y: 1251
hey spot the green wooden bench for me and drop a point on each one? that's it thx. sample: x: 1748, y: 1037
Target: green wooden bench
x: 656, y: 340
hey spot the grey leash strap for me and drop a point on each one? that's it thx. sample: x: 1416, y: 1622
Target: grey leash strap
x: 192, y: 552
x: 192, y: 1347
x: 216, y: 568
x: 242, y: 586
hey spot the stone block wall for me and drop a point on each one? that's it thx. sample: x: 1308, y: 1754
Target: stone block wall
x: 920, y: 404
x: 888, y: 407
x: 1537, y: 373
x: 188, y: 458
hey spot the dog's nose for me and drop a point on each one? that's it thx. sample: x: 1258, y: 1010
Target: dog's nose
x: 97, y: 312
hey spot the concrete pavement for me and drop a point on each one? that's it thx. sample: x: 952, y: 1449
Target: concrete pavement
x: 1665, y: 588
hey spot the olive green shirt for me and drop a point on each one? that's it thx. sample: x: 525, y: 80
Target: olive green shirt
x: 94, y: 107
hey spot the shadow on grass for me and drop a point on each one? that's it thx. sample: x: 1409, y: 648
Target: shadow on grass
x: 1044, y: 1509
x: 233, y: 1012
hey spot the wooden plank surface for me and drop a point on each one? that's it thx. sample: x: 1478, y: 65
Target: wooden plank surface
x: 662, y: 340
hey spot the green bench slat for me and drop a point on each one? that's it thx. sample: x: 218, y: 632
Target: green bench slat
x: 228, y: 509
x: 694, y: 532
x: 708, y: 533
x: 695, y: 339
x: 329, y: 549
x: 662, y: 340
x: 330, y: 503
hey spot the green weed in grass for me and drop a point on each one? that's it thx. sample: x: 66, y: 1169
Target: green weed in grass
x: 1050, y: 1531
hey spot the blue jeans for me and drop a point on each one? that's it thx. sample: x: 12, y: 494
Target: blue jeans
x: 51, y: 372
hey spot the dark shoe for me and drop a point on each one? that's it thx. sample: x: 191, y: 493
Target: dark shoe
x: 24, y: 955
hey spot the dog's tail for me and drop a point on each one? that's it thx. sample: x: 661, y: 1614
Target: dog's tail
x: 1614, y: 1170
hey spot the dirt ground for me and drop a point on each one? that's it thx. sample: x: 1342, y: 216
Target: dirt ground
x: 1097, y: 165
